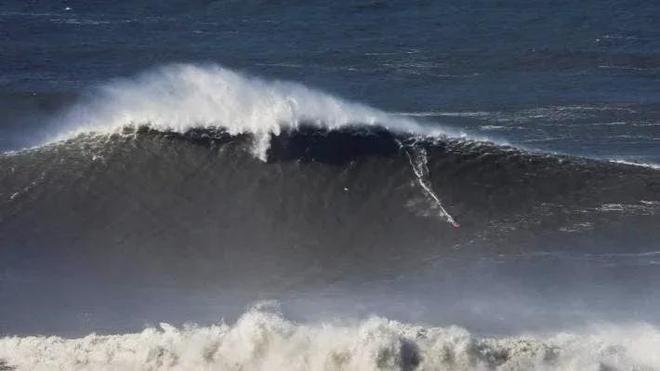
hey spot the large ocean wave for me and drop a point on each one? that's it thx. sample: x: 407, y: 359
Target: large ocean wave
x: 282, y: 121
x: 324, y: 203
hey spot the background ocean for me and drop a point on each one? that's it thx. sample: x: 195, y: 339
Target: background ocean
x: 330, y: 185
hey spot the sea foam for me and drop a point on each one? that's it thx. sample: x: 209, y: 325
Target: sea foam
x: 262, y: 339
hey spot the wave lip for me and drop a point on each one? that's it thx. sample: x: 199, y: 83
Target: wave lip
x: 183, y: 97
x: 264, y: 339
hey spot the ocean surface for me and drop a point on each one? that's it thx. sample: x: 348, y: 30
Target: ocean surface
x: 313, y: 185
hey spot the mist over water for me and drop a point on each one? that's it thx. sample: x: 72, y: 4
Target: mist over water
x: 390, y: 200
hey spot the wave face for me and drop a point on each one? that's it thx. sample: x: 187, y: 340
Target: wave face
x: 263, y: 339
x: 324, y: 190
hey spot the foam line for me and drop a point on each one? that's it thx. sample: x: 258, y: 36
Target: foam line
x: 265, y: 340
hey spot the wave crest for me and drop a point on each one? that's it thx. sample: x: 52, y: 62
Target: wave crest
x: 183, y: 97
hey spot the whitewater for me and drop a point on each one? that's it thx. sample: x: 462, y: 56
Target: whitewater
x: 263, y: 339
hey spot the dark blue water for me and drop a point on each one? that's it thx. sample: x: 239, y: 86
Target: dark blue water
x: 580, y: 78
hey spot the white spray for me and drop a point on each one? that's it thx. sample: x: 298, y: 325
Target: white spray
x: 263, y: 340
x: 182, y: 97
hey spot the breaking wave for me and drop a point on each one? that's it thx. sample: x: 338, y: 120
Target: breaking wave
x: 179, y: 98
x: 262, y: 339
